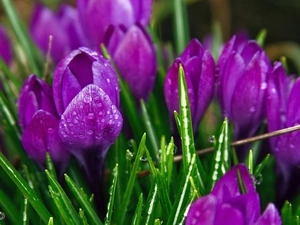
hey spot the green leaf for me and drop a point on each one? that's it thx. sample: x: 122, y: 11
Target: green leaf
x: 131, y: 181
x: 287, y: 214
x: 261, y: 37
x: 50, y: 222
x: 221, y: 160
x: 63, y: 203
x: 83, y: 201
x: 186, y: 132
x: 7, y: 205
x: 182, y: 197
x: 261, y: 166
x: 250, y: 162
x: 50, y: 166
x: 181, y: 25
x: 151, y: 205
x: 111, y: 201
x: 82, y: 217
x: 138, y: 212
x: 24, y: 187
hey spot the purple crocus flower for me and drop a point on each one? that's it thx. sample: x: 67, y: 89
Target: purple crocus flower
x: 97, y: 15
x: 39, y: 122
x: 86, y: 95
x: 283, y: 110
x: 227, y: 205
x: 134, y: 55
x: 199, y: 68
x: 243, y: 71
x: 63, y: 25
x: 5, y: 46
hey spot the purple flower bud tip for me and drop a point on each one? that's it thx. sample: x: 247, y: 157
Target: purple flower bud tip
x: 39, y: 122
x: 283, y: 111
x: 86, y: 94
x: 63, y: 26
x: 134, y: 55
x: 97, y: 16
x: 199, y: 68
x: 242, y: 82
x: 226, y: 203
x: 5, y: 46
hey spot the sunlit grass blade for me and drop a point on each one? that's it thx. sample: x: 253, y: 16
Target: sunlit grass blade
x: 186, y: 132
x: 221, y: 160
x: 50, y: 222
x: 83, y: 218
x: 131, y: 181
x: 111, y: 201
x: 50, y: 166
x: 261, y: 166
x: 22, y: 36
x: 8, y: 206
x: 25, y: 188
x: 287, y: 214
x: 151, y: 205
x: 261, y: 37
x: 83, y: 201
x: 25, y: 213
x: 152, y: 137
x: 250, y: 162
x: 181, y: 25
x: 138, y: 212
x: 62, y: 201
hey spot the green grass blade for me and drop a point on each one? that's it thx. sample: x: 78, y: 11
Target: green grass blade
x: 181, y: 31
x: 83, y: 201
x: 82, y: 217
x: 22, y: 36
x: 261, y: 166
x: 187, y: 135
x: 179, y: 207
x: 50, y: 166
x: 50, y: 222
x: 111, y: 201
x: 151, y: 205
x: 8, y: 206
x: 131, y: 181
x: 138, y: 212
x: 24, y: 187
x: 63, y: 203
x: 250, y: 162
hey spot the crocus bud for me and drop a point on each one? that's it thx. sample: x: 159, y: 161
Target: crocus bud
x: 96, y: 16
x: 63, y: 26
x: 5, y: 46
x: 227, y: 203
x: 199, y: 68
x: 134, y: 55
x: 283, y: 110
x: 86, y: 95
x: 243, y: 71
x: 39, y: 122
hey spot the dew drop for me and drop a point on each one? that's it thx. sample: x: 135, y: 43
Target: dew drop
x: 116, y: 117
x: 252, y: 109
x: 292, y: 146
x: 105, y: 64
x: 100, y: 113
x: 143, y: 159
x: 90, y: 132
x: 175, y: 149
x: 211, y: 139
x: 74, y: 113
x: 87, y: 99
x: 91, y: 116
x: 108, y: 80
x: 50, y: 130
x: 258, y: 179
x: 263, y: 86
x: 2, y: 215
x: 129, y: 155
x: 75, y: 121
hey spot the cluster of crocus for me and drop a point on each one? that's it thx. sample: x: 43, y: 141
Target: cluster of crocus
x: 242, y: 82
x: 63, y: 26
x: 199, y: 68
x: 227, y: 205
x: 80, y: 115
x: 5, y: 46
x: 283, y: 110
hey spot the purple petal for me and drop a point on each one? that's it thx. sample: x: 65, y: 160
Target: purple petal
x: 194, y: 48
x: 293, y: 109
x: 226, y: 52
x: 248, y: 96
x: 136, y: 60
x: 90, y: 121
x: 228, y: 80
x: 35, y: 94
x: 249, y: 51
x: 230, y: 215
x: 142, y: 10
x: 43, y: 17
x: 270, y: 216
x: 41, y: 136
x: 228, y: 186
x: 5, y: 46
x: 205, y: 89
x: 113, y: 37
x: 202, y: 211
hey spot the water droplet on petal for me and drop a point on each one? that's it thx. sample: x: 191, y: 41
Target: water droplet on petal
x: 252, y: 109
x: 50, y: 130
x: 87, y: 99
x: 90, y: 132
x: 91, y: 116
x: 263, y: 85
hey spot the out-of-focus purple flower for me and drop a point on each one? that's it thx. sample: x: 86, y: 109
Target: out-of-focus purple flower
x: 283, y: 110
x: 134, y: 55
x: 97, y: 15
x: 39, y: 122
x: 63, y: 25
x: 199, y: 68
x: 5, y: 46
x: 243, y: 72
x: 86, y: 95
x: 227, y: 205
